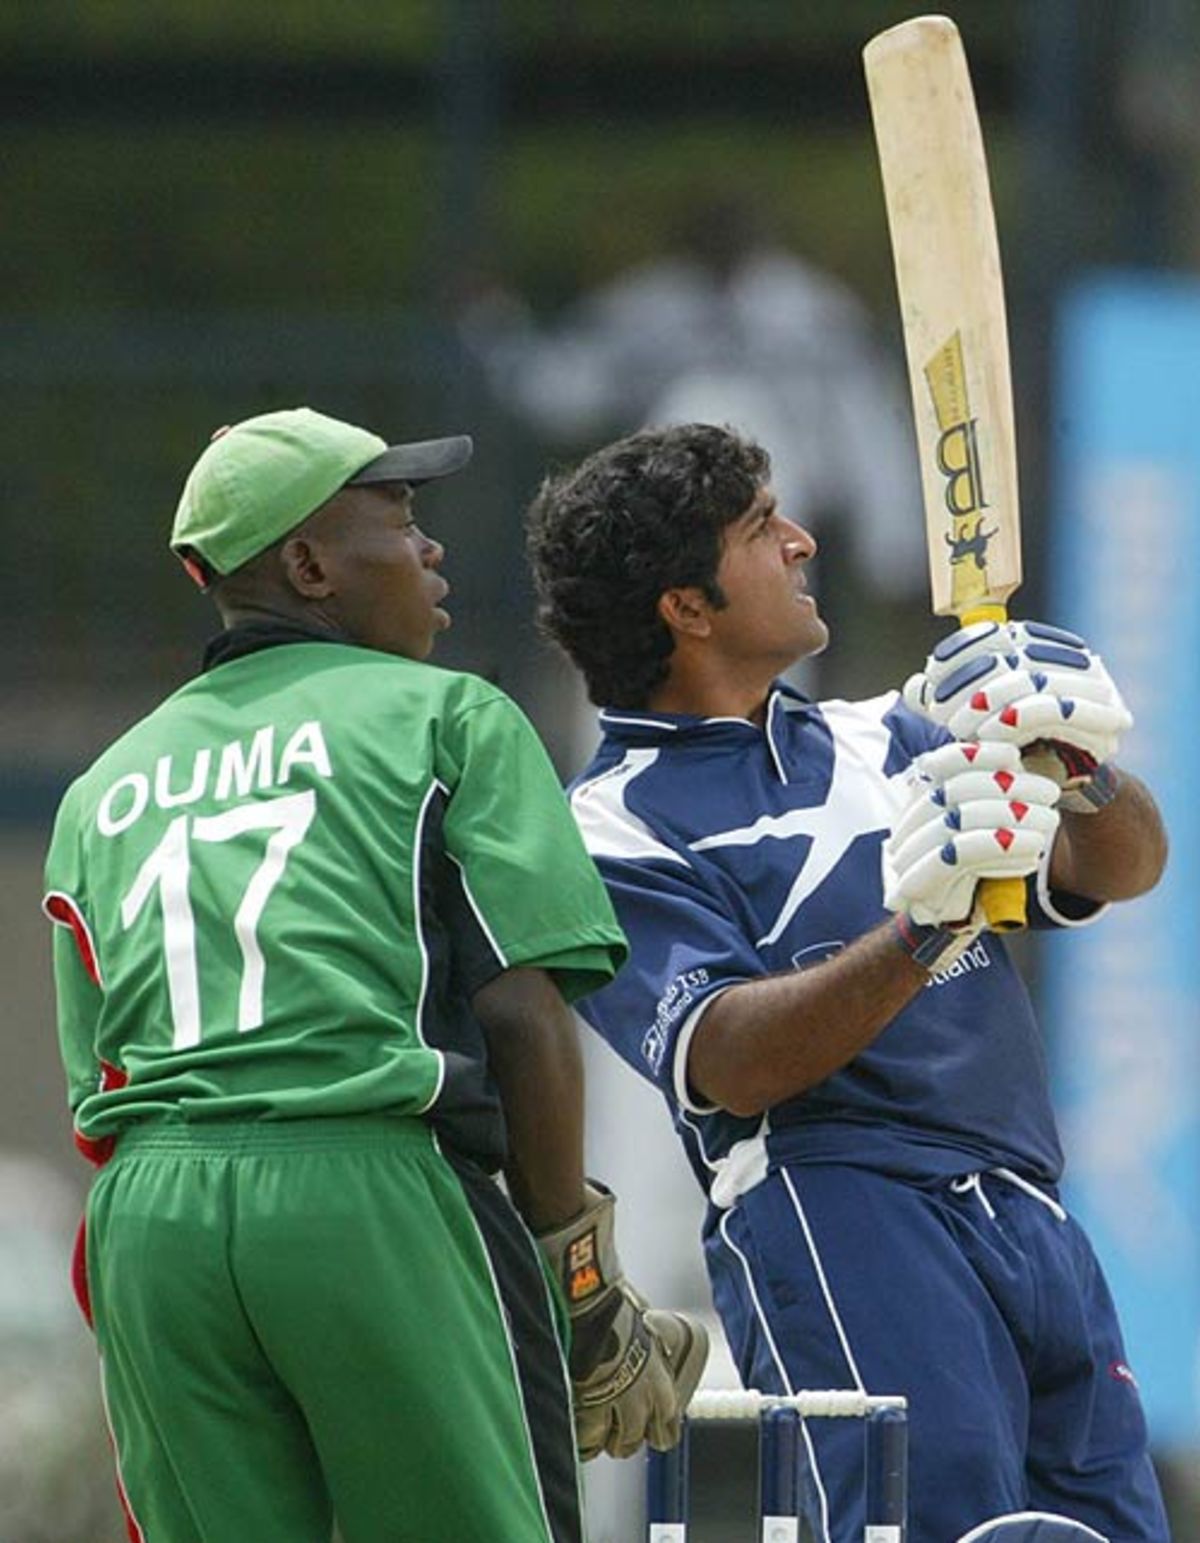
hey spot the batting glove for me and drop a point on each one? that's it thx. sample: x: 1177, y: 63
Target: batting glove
x: 1027, y: 684
x: 633, y: 1369
x: 974, y: 813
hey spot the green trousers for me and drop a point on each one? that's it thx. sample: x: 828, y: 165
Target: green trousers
x: 310, y: 1320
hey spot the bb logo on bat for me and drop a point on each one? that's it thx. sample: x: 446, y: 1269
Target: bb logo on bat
x: 957, y: 458
x: 958, y: 462
x: 957, y: 445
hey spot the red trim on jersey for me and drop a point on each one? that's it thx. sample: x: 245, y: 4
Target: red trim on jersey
x: 98, y: 1149
x: 112, y: 1077
x: 62, y: 909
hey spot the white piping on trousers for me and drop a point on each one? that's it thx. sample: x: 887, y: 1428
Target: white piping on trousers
x: 781, y: 1371
x: 819, y: 1268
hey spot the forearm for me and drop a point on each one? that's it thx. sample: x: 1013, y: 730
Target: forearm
x: 533, y: 1051
x: 768, y: 1040
x: 632, y: 1369
x: 1114, y: 854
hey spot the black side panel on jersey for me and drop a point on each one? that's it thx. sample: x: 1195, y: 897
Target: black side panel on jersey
x: 467, y: 1116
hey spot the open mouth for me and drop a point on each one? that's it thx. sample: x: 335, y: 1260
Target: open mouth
x: 441, y: 614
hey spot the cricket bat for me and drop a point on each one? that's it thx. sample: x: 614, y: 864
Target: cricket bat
x: 951, y: 291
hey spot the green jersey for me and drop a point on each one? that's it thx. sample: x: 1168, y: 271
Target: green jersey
x: 280, y: 890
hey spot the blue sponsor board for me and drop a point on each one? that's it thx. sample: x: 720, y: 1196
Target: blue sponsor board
x: 1123, y: 998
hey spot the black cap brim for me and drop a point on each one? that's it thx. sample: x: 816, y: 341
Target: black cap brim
x: 423, y: 461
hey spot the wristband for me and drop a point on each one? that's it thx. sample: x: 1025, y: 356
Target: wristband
x: 1099, y: 789
x: 929, y: 946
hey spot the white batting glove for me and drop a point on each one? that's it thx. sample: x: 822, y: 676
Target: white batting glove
x: 975, y: 813
x: 1028, y: 684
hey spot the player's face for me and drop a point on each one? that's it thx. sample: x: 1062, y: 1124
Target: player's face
x: 770, y: 618
x: 388, y: 590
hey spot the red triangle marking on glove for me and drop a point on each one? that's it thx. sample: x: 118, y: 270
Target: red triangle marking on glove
x: 1005, y: 838
x: 980, y: 702
x: 970, y: 751
x: 1019, y: 811
x: 1010, y: 716
x: 1003, y: 780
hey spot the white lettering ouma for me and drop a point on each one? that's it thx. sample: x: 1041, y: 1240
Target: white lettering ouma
x: 109, y: 822
x: 243, y: 767
x: 163, y: 795
x: 305, y: 748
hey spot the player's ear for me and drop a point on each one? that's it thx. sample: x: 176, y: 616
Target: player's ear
x: 304, y: 568
x: 686, y: 611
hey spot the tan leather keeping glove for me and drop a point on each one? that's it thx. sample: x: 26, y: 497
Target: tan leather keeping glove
x: 633, y: 1368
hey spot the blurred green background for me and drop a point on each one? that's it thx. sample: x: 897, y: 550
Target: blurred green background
x: 211, y: 209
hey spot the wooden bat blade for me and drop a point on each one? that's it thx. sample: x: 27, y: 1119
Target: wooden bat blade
x: 951, y: 292
x: 947, y: 260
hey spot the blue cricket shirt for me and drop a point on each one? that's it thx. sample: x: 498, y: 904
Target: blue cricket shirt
x: 732, y: 851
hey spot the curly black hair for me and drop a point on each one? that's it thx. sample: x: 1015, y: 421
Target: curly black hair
x: 641, y: 516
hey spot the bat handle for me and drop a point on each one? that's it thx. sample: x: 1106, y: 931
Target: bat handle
x: 1003, y: 899
x: 1004, y: 904
x: 987, y: 610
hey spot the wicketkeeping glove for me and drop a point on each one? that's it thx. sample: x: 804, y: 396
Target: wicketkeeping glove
x: 1027, y: 684
x: 974, y: 813
x: 633, y: 1369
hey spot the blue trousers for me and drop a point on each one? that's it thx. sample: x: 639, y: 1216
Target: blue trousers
x: 982, y: 1303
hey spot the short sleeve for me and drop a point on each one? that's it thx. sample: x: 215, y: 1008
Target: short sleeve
x: 78, y: 986
x: 533, y: 888
x: 685, y: 949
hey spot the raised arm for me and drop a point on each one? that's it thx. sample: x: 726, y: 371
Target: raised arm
x: 1045, y: 690
x: 1118, y: 851
x: 973, y: 813
x: 766, y: 1040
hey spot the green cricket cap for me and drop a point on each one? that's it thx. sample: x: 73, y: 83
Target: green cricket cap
x: 260, y: 478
